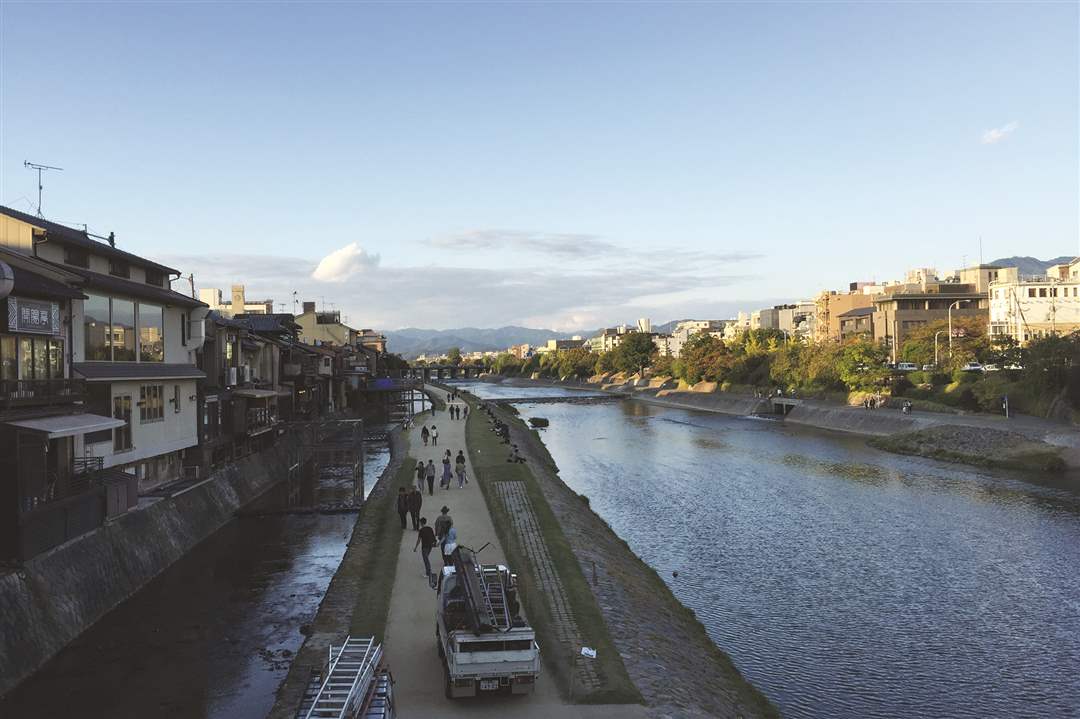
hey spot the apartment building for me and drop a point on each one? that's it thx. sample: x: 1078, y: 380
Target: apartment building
x: 1028, y: 307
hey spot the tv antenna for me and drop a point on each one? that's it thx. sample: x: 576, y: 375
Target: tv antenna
x: 39, y: 168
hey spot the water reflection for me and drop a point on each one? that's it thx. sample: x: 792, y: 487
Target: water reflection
x: 843, y: 581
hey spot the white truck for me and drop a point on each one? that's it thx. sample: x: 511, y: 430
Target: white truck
x: 485, y: 644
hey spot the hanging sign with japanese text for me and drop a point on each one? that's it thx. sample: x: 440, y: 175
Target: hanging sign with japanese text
x: 33, y: 316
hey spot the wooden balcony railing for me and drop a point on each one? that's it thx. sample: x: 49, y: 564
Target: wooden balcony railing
x: 37, y: 392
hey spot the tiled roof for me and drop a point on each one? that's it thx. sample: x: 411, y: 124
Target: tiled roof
x: 98, y: 281
x: 32, y: 284
x: 73, y: 236
x: 858, y: 312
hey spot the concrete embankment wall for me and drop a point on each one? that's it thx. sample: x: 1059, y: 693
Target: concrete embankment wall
x: 58, y: 595
x: 856, y: 420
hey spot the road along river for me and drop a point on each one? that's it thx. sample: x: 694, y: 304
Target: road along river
x: 842, y: 580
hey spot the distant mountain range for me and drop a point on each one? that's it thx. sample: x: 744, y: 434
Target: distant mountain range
x: 411, y: 341
x: 1032, y: 265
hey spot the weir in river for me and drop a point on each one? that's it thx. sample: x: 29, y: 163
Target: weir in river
x: 842, y: 580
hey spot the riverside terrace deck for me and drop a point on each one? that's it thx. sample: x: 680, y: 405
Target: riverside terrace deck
x: 444, y: 371
x: 583, y: 399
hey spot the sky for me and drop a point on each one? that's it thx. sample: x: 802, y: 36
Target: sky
x: 562, y: 165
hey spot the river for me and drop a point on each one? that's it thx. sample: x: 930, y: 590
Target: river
x: 214, y: 634
x: 842, y: 580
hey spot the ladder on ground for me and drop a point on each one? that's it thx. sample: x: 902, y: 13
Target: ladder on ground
x: 495, y: 596
x: 351, y: 671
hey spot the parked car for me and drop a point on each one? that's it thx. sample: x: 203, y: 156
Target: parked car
x: 972, y: 367
x: 907, y: 367
x: 990, y: 368
x: 929, y: 367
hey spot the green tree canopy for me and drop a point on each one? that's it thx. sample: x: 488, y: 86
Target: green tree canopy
x: 453, y: 355
x: 634, y: 352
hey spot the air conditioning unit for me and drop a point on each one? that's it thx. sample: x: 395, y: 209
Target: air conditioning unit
x: 246, y: 374
x: 232, y: 376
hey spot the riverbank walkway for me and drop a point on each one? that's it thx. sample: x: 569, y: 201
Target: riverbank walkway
x: 410, y: 632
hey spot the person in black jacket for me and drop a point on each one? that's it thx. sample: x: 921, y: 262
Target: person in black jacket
x: 416, y: 501
x: 402, y: 505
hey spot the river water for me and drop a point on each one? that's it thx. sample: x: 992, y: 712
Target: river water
x: 214, y: 634
x: 843, y: 581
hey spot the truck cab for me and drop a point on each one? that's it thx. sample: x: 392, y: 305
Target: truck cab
x: 486, y: 645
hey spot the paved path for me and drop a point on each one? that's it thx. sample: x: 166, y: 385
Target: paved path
x: 410, y: 632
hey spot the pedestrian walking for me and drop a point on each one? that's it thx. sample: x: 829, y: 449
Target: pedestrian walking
x: 420, y: 472
x: 434, y: 436
x: 402, y: 505
x: 443, y: 523
x: 429, y: 472
x: 466, y: 411
x: 445, y: 481
x: 416, y: 503
x: 426, y: 541
x: 424, y: 434
x: 459, y: 465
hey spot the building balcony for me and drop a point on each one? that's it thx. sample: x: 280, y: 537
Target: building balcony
x: 40, y: 392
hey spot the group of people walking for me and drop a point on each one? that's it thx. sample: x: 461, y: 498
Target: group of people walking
x: 430, y: 435
x: 426, y: 472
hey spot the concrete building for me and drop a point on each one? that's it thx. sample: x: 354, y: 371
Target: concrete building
x: 1027, y: 307
x: 671, y: 345
x: 830, y: 306
x: 858, y: 322
x: 904, y: 308
x: 236, y: 304
x: 324, y: 327
x: 560, y: 345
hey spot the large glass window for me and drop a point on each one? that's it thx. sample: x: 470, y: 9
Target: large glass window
x: 122, y: 411
x: 56, y: 358
x: 26, y: 358
x: 9, y: 363
x: 41, y: 358
x: 123, y: 330
x: 96, y: 328
x: 151, y: 333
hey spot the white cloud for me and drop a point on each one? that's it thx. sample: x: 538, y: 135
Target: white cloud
x: 564, y: 244
x: 343, y: 263
x: 997, y: 134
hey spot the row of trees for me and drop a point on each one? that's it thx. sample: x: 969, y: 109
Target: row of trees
x: 1045, y: 368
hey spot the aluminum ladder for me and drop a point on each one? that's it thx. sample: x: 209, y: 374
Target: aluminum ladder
x: 350, y: 672
x: 494, y: 596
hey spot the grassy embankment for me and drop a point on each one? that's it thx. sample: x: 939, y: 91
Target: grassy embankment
x: 375, y: 571
x: 488, y: 456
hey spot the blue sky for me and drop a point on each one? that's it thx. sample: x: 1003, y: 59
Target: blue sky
x: 567, y: 165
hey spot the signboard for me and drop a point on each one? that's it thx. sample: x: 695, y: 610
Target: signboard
x: 33, y: 316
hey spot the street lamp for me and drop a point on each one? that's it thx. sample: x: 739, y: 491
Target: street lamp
x: 936, y: 335
x: 954, y: 304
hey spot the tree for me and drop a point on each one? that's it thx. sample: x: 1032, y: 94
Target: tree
x: 862, y: 364
x: 453, y: 355
x: 634, y: 352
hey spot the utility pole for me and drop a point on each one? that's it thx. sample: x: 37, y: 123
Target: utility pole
x: 39, y: 168
x: 954, y: 304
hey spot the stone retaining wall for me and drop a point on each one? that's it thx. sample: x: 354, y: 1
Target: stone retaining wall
x: 56, y: 596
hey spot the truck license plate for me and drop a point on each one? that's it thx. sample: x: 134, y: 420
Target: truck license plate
x: 489, y: 685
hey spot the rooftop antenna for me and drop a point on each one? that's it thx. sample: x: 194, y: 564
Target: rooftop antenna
x: 980, y: 251
x: 294, y: 302
x: 39, y: 168
x: 281, y: 306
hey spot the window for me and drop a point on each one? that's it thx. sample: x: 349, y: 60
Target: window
x: 119, y: 268
x: 123, y: 330
x: 112, y: 333
x: 1031, y: 291
x: 183, y: 328
x: 76, y: 256
x: 151, y: 403
x: 9, y: 363
x: 155, y: 278
x: 176, y: 398
x: 151, y: 334
x: 122, y: 411
x: 1042, y: 292
x: 96, y: 327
